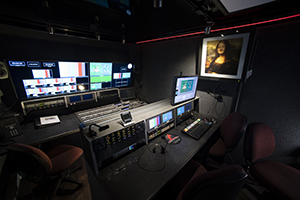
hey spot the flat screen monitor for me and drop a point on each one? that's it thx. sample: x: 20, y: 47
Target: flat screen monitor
x: 33, y: 79
x: 36, y: 79
x: 180, y: 110
x: 188, y: 107
x: 184, y: 88
x: 154, y: 122
x: 110, y: 75
x: 167, y: 116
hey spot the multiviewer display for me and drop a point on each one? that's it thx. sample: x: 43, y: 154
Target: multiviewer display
x: 34, y: 79
x: 108, y: 75
x: 184, y: 88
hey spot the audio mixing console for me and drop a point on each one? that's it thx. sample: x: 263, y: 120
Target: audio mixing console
x: 95, y: 114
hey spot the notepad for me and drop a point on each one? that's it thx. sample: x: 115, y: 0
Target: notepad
x: 49, y: 120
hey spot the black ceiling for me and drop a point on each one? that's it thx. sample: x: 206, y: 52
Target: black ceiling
x: 185, y: 16
x: 83, y: 19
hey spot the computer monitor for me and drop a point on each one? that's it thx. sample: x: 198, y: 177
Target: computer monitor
x: 184, y: 88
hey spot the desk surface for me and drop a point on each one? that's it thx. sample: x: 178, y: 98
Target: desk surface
x: 69, y: 124
x: 140, y: 174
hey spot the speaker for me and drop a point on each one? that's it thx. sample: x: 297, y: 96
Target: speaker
x: 3, y: 70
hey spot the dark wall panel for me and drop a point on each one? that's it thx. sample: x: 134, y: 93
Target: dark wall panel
x: 160, y: 61
x: 21, y: 43
x: 272, y: 94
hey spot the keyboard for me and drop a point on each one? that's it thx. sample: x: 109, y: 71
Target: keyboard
x: 197, y: 128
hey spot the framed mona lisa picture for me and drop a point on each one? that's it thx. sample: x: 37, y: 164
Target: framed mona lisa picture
x: 224, y: 56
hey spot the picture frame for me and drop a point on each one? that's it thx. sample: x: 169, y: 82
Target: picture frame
x: 224, y: 56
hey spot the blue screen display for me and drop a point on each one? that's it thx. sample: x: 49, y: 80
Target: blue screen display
x: 188, y: 106
x: 87, y: 97
x: 167, y: 116
x: 180, y: 110
x: 75, y: 99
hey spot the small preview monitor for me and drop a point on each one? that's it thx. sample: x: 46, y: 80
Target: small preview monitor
x: 184, y: 88
x: 167, y: 116
x: 154, y: 122
x: 180, y: 110
x: 188, y: 107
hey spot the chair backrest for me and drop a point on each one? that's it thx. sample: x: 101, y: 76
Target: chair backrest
x: 232, y: 129
x: 224, y: 183
x: 29, y: 160
x: 259, y: 142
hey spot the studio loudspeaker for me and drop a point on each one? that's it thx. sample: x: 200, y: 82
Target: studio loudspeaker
x: 3, y: 71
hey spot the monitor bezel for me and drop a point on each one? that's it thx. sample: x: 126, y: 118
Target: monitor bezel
x: 173, y: 94
x: 23, y: 97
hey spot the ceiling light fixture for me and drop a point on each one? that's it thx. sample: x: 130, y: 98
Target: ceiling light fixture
x: 220, y: 29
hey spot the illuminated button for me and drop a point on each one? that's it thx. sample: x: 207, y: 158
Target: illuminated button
x: 119, y: 136
x: 124, y: 134
x: 107, y: 140
x: 113, y: 138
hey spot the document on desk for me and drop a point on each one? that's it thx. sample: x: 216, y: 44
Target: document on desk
x: 49, y: 120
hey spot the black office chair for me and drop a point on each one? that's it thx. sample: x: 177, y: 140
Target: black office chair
x: 193, y: 181
x: 44, y: 168
x: 282, y: 180
x: 231, y: 132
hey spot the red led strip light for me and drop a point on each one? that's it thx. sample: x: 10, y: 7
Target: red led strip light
x: 220, y: 29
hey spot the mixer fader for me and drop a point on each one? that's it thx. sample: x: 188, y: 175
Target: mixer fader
x: 95, y: 114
